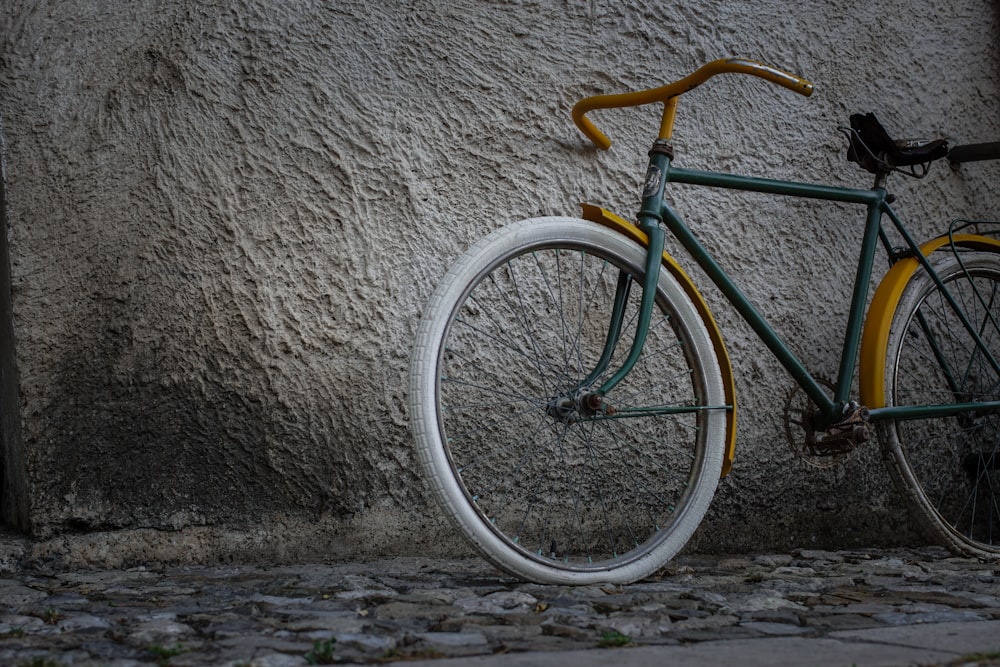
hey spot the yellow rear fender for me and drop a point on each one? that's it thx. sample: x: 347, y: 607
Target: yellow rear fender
x: 623, y: 226
x: 875, y: 339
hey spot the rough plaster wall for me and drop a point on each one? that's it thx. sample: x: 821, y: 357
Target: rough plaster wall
x: 226, y: 217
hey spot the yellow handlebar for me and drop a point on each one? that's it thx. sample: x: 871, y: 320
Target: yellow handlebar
x: 668, y: 94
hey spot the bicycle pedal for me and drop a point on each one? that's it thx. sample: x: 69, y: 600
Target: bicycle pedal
x: 845, y: 435
x: 831, y: 446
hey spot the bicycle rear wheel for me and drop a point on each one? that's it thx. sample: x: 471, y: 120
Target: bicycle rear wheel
x: 547, y: 485
x: 948, y: 467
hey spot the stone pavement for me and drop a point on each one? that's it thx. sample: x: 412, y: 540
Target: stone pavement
x: 862, y: 608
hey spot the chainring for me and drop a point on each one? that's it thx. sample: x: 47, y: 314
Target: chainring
x: 802, y: 436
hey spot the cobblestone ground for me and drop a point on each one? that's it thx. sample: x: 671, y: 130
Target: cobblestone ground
x: 405, y: 609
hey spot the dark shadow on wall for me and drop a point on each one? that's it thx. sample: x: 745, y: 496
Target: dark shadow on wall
x: 13, y: 479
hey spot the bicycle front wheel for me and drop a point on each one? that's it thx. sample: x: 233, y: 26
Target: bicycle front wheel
x: 949, y: 467
x: 551, y: 482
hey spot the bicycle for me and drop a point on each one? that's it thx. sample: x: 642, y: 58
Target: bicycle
x: 574, y: 406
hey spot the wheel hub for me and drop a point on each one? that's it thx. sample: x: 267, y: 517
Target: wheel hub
x: 584, y: 404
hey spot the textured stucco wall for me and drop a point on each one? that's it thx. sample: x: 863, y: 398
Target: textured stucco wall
x: 225, y: 217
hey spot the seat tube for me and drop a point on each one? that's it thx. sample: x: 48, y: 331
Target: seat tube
x: 855, y: 320
x: 649, y: 222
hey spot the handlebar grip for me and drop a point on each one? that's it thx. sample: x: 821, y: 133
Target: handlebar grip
x: 974, y: 152
x: 782, y: 78
x: 589, y: 129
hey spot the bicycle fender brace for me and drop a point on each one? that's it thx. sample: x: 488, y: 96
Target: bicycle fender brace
x: 875, y: 339
x: 622, y: 226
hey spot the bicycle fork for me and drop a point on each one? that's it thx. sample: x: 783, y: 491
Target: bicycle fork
x: 649, y: 222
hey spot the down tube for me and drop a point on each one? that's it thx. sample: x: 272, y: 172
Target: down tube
x: 746, y: 309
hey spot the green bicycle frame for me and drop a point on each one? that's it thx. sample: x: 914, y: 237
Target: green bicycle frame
x: 656, y: 212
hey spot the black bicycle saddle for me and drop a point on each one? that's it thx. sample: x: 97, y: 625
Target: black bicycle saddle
x: 873, y: 148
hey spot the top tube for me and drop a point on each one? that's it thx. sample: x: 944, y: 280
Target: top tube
x: 669, y: 93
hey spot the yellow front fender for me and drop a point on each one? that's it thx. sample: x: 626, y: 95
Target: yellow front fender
x: 622, y: 226
x: 875, y: 339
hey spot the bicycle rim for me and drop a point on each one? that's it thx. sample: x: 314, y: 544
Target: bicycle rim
x: 949, y: 466
x: 547, y: 487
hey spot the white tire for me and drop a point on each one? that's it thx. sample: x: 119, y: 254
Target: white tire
x: 546, y: 486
